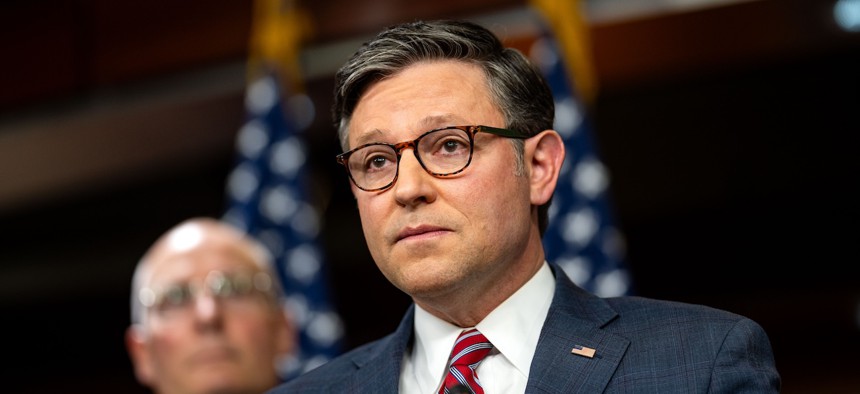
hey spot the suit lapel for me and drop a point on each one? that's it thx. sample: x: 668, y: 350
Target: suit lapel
x: 575, y: 319
x: 378, y: 369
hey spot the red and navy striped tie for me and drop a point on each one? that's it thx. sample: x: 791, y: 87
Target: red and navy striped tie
x: 469, y: 350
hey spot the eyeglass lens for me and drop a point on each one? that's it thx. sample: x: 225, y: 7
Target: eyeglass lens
x: 440, y: 152
x: 228, y: 288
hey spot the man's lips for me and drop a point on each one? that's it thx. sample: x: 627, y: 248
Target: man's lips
x: 214, y: 354
x: 421, y: 231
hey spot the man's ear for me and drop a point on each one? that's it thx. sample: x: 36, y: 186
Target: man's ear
x: 544, y: 156
x: 136, y: 344
x: 285, y: 334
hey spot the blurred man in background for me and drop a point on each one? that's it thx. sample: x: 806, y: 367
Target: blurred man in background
x: 206, y: 316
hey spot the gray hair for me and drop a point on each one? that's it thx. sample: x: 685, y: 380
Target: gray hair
x: 517, y: 87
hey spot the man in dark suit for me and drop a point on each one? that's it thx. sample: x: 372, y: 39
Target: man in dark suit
x: 449, y: 146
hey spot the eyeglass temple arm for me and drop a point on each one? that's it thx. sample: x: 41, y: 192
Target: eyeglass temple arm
x: 503, y: 132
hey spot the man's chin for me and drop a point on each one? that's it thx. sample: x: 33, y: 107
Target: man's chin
x: 215, y: 374
x: 216, y: 380
x: 428, y: 284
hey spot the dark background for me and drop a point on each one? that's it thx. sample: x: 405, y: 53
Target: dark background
x: 728, y: 132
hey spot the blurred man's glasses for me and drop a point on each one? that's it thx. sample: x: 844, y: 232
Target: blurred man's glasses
x: 441, y: 152
x: 230, y: 289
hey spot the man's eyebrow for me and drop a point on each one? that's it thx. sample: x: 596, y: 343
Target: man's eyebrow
x: 373, y: 135
x: 425, y: 124
x: 436, y: 121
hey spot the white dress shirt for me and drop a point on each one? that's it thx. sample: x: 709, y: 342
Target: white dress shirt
x: 513, y: 328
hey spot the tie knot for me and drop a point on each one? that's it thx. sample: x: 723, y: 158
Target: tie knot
x: 469, y: 350
x: 471, y: 347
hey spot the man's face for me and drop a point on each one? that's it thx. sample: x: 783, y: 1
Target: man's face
x: 213, y: 345
x: 432, y: 236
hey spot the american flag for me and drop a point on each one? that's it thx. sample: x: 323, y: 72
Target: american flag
x: 267, y: 191
x: 268, y: 198
x: 581, y: 238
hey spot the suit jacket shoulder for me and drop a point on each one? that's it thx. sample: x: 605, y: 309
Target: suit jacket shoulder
x: 370, y: 368
x: 640, y: 345
x: 647, y: 345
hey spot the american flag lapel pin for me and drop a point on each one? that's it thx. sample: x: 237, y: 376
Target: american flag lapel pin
x: 583, y: 351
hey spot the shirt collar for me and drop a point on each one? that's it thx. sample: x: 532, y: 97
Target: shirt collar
x: 513, y: 327
x: 434, y: 339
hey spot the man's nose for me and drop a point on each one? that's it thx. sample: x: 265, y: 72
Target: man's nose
x: 413, y: 183
x: 207, y: 310
x: 408, y: 161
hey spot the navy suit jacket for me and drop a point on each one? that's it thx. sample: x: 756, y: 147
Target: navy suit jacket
x: 641, y: 346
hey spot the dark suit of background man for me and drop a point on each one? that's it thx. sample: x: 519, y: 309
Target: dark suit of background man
x: 453, y: 162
